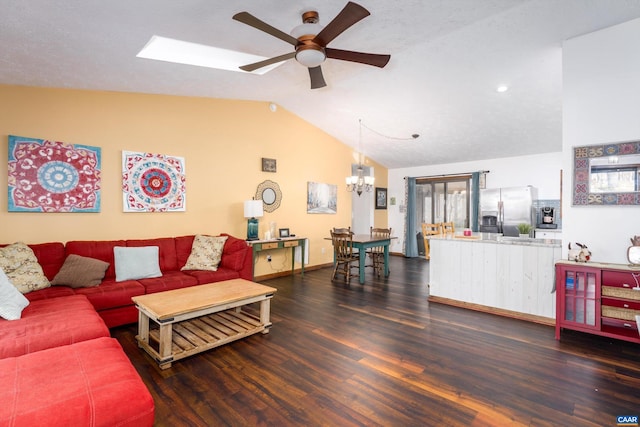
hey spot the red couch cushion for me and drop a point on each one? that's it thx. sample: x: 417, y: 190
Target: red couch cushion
x: 167, y: 247
x: 234, y: 253
x: 50, y: 323
x: 91, y: 383
x: 102, y: 250
x: 110, y: 294
x: 213, y: 276
x: 50, y: 292
x: 183, y: 249
x: 169, y: 280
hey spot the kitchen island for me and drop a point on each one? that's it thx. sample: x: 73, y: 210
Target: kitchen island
x: 509, y: 276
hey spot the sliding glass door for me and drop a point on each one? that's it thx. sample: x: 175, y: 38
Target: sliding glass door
x: 443, y: 199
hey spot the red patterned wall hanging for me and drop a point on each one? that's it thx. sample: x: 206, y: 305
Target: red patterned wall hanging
x: 52, y: 176
x: 153, y: 182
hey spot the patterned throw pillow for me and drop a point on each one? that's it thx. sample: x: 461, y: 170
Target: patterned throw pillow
x: 80, y: 272
x: 206, y: 253
x: 21, y: 267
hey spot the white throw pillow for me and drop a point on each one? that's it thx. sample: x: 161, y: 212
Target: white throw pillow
x: 133, y: 263
x: 12, y: 302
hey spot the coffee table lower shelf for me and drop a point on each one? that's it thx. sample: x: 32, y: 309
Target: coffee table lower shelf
x: 203, y: 333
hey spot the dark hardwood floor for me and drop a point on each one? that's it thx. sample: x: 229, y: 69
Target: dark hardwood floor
x: 382, y: 355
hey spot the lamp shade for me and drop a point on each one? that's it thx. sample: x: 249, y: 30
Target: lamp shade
x: 253, y: 209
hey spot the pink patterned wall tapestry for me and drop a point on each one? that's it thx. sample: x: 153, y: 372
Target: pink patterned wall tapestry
x: 52, y: 176
x: 153, y: 183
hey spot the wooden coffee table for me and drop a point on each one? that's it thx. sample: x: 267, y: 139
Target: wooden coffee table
x: 191, y: 320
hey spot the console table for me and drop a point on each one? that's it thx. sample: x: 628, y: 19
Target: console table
x: 282, y: 243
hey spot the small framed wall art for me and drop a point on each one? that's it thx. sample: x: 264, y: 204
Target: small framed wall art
x: 381, y: 198
x: 284, y: 232
x: 269, y: 165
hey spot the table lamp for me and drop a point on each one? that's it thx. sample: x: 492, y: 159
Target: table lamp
x: 252, y: 211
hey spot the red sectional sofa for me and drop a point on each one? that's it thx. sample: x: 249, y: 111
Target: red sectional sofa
x: 58, y: 364
x: 112, y: 299
x: 59, y: 367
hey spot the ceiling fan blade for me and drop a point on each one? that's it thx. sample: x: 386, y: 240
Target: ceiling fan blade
x: 249, y: 19
x: 317, y: 79
x: 364, y: 58
x: 348, y: 16
x: 274, y: 60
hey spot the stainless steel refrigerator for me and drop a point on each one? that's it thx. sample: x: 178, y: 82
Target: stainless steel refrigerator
x: 502, y: 209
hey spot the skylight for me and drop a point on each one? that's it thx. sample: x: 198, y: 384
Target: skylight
x: 181, y: 52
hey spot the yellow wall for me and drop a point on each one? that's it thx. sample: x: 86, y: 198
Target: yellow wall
x: 222, y: 142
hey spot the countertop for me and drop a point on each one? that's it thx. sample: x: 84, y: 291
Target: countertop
x: 496, y: 238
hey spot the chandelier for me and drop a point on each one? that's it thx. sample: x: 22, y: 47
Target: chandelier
x: 359, y: 182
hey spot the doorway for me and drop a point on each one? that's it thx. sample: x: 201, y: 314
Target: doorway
x: 443, y: 199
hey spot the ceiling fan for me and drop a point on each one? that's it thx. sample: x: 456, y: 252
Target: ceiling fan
x: 310, y: 42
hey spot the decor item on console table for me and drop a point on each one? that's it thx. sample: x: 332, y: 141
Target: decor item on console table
x: 633, y: 252
x: 579, y: 254
x: 598, y: 298
x: 252, y: 211
x: 282, y: 243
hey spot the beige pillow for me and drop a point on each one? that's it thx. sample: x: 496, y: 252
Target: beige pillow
x: 206, y: 253
x: 21, y: 267
x: 80, y: 272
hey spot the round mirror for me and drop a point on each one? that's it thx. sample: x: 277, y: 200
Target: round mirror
x: 270, y: 194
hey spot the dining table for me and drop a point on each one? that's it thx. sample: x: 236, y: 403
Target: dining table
x: 362, y: 242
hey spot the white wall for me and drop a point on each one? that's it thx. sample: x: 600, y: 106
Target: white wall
x: 601, y: 104
x: 541, y: 171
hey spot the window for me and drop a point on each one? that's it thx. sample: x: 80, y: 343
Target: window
x: 614, y: 180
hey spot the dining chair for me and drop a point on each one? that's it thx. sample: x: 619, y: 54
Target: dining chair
x: 343, y: 254
x: 342, y: 230
x: 448, y: 228
x: 377, y: 252
x: 430, y: 230
x: 346, y: 230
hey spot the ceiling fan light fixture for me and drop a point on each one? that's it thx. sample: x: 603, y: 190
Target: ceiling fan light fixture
x: 306, y: 30
x: 310, y: 55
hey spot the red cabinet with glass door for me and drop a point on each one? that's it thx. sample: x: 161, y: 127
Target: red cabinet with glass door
x: 597, y: 298
x: 578, y: 298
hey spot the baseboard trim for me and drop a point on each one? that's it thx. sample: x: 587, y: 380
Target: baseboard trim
x: 288, y: 272
x: 497, y: 311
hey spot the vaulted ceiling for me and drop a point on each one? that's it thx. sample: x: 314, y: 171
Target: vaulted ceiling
x: 447, y: 59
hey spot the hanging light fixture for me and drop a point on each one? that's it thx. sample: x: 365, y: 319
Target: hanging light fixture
x: 359, y: 182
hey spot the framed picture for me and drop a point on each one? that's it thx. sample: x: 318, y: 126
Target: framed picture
x: 322, y: 198
x: 381, y: 198
x: 153, y: 182
x: 53, y: 176
x: 268, y: 165
x: 284, y: 232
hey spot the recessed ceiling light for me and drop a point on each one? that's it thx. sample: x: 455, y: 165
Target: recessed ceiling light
x: 502, y: 88
x: 181, y: 52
